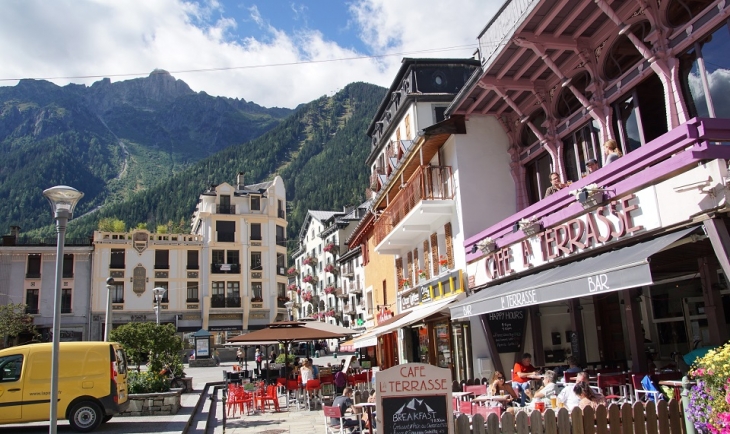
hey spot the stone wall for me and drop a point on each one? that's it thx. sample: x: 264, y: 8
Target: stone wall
x: 153, y: 404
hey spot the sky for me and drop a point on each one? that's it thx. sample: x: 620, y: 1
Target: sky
x: 272, y: 52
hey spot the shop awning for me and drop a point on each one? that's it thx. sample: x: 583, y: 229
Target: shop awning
x: 416, y: 315
x: 619, y: 269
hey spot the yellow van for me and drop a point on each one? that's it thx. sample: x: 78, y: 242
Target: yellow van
x: 92, y: 383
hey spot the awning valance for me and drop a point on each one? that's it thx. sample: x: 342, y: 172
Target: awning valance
x: 619, y: 269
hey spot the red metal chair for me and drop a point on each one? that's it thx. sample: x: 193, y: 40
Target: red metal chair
x: 267, y: 397
x: 312, y: 389
x: 292, y: 386
x: 486, y: 411
x: 610, y: 384
x: 466, y: 407
x: 476, y: 390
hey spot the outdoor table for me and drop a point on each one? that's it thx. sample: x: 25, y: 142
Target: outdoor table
x: 460, y: 395
x: 368, y: 406
x: 494, y: 398
x: 676, y: 385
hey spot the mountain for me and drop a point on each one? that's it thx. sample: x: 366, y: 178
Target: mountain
x: 110, y: 140
x: 319, y: 151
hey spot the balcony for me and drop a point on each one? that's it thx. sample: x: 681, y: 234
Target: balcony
x: 225, y: 268
x: 32, y: 275
x: 225, y: 209
x: 424, y: 203
x: 68, y: 275
x: 280, y: 214
x: 679, y: 151
x: 221, y: 301
x: 117, y: 301
x: 116, y: 266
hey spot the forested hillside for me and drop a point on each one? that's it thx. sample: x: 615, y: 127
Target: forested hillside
x: 319, y: 151
x: 110, y: 140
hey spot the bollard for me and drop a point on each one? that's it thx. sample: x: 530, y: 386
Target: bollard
x: 689, y: 427
x: 334, y: 355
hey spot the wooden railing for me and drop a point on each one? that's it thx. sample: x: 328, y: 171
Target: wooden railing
x: 663, y: 418
x: 427, y: 183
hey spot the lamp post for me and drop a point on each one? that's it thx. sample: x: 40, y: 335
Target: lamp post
x: 108, y: 319
x: 289, y: 304
x: 63, y: 200
x: 158, y: 293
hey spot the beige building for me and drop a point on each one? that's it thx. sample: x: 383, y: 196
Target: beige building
x: 227, y: 276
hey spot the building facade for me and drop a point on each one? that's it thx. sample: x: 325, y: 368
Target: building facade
x: 627, y: 264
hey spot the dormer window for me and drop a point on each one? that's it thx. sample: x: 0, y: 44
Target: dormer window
x: 255, y: 203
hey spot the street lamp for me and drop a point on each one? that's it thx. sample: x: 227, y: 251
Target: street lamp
x: 63, y: 200
x: 108, y: 324
x: 289, y: 304
x: 158, y: 293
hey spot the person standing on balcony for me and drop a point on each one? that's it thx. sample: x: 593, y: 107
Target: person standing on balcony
x: 611, y: 151
x: 556, y: 184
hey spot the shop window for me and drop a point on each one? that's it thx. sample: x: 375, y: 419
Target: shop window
x: 634, y: 127
x: 681, y: 12
x: 528, y: 137
x: 442, y: 339
x: 579, y: 147
x: 537, y: 174
x: 567, y: 101
x: 623, y: 54
x: 713, y: 51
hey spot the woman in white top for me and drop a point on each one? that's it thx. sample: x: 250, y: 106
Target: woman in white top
x: 306, y: 372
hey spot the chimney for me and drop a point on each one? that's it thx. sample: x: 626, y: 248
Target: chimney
x: 239, y: 181
x: 15, y: 231
x: 10, y: 240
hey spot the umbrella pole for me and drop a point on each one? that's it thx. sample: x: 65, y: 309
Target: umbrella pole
x: 245, y: 359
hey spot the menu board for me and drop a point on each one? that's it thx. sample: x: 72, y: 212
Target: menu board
x: 507, y: 327
x: 417, y: 414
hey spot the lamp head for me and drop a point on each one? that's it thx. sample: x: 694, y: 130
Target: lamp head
x: 110, y: 281
x: 473, y: 249
x: 63, y: 199
x: 289, y: 304
x: 158, y: 292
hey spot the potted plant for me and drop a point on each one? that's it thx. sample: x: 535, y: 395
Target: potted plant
x: 330, y: 247
x: 307, y: 296
x: 293, y: 287
x: 257, y: 300
x: 309, y: 278
x: 292, y: 271
x: 709, y: 399
x: 330, y: 268
x: 329, y: 289
x: 589, y: 196
x: 404, y: 283
x: 530, y: 226
x: 487, y: 245
x: 310, y: 260
x: 443, y: 262
x: 422, y: 274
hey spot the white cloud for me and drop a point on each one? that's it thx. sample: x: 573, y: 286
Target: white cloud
x: 107, y: 37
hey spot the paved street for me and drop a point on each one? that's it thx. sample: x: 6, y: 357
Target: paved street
x: 299, y: 422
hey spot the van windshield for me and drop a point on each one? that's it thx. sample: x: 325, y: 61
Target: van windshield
x: 121, y: 362
x: 10, y: 368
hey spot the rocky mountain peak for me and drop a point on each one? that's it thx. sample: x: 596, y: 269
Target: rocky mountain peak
x: 160, y: 87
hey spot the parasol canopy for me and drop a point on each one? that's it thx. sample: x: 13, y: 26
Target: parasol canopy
x: 286, y: 332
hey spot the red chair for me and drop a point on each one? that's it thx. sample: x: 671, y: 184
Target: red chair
x: 312, y: 389
x: 610, y: 384
x: 476, y: 390
x: 269, y: 396
x: 486, y: 411
x: 292, y: 386
x: 239, y: 399
x: 466, y: 407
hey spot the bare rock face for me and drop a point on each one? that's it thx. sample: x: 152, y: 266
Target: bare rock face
x: 159, y: 88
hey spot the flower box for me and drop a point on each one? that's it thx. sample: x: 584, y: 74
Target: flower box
x: 310, y: 260
x: 331, y: 247
x: 329, y: 290
x: 330, y: 268
x: 530, y: 226
x: 292, y: 271
x: 307, y: 296
x: 309, y: 279
x: 487, y: 245
x: 404, y: 283
x: 443, y: 261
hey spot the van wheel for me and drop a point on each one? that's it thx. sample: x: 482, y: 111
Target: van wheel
x: 85, y: 416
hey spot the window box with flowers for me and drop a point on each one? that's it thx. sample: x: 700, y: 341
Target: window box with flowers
x: 443, y: 262
x: 329, y: 289
x: 530, y: 226
x: 309, y: 278
x: 330, y: 248
x: 257, y: 300
x: 589, y: 196
x: 293, y: 287
x: 329, y: 313
x: 310, y: 260
x: 330, y: 268
x: 283, y: 298
x: 487, y: 245
x: 404, y: 284
x: 307, y: 296
x: 292, y: 271
x: 422, y: 276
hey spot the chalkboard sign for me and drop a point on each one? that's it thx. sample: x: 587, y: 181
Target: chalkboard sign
x: 415, y: 414
x: 507, y: 327
x: 574, y: 342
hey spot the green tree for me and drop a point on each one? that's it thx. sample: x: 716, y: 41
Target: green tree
x: 162, y: 229
x: 146, y: 342
x: 13, y: 322
x: 111, y: 224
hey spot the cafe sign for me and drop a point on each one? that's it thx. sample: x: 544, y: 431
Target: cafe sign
x: 616, y: 220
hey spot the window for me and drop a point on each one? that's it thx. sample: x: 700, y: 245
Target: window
x: 225, y: 205
x: 233, y: 295
x: 162, y: 259
x: 711, y: 51
x: 225, y: 231
x: 280, y: 209
x: 66, y: 300
x: 537, y: 172
x: 256, y: 261
x: 117, y: 292
x: 567, y: 101
x: 255, y: 203
x: 192, y: 292
x: 31, y: 301
x: 438, y: 114
x: 280, y: 236
x: 528, y: 136
x: 164, y: 298
x: 117, y: 259
x: 256, y: 231
x: 218, y: 294
x: 68, y: 266
x: 34, y: 266
x: 232, y: 257
x: 281, y: 290
x: 218, y: 256
x: 257, y: 291
x: 281, y: 264
x: 623, y: 54
x: 579, y: 147
x: 634, y: 128
x: 11, y: 367
x: 193, y: 257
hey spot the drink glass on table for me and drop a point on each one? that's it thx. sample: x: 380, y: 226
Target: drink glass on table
x: 501, y: 393
x: 553, y: 402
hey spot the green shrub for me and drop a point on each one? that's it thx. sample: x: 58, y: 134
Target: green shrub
x: 280, y: 358
x: 147, y: 382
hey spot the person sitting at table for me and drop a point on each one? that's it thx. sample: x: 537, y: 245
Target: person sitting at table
x: 344, y: 401
x: 588, y: 398
x: 315, y: 369
x: 306, y: 372
x: 549, y: 387
x: 498, y: 385
x: 366, y: 421
x: 567, y: 397
x: 522, y: 373
x: 573, y: 365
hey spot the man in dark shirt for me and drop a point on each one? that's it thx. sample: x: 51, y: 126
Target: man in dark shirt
x: 344, y: 401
